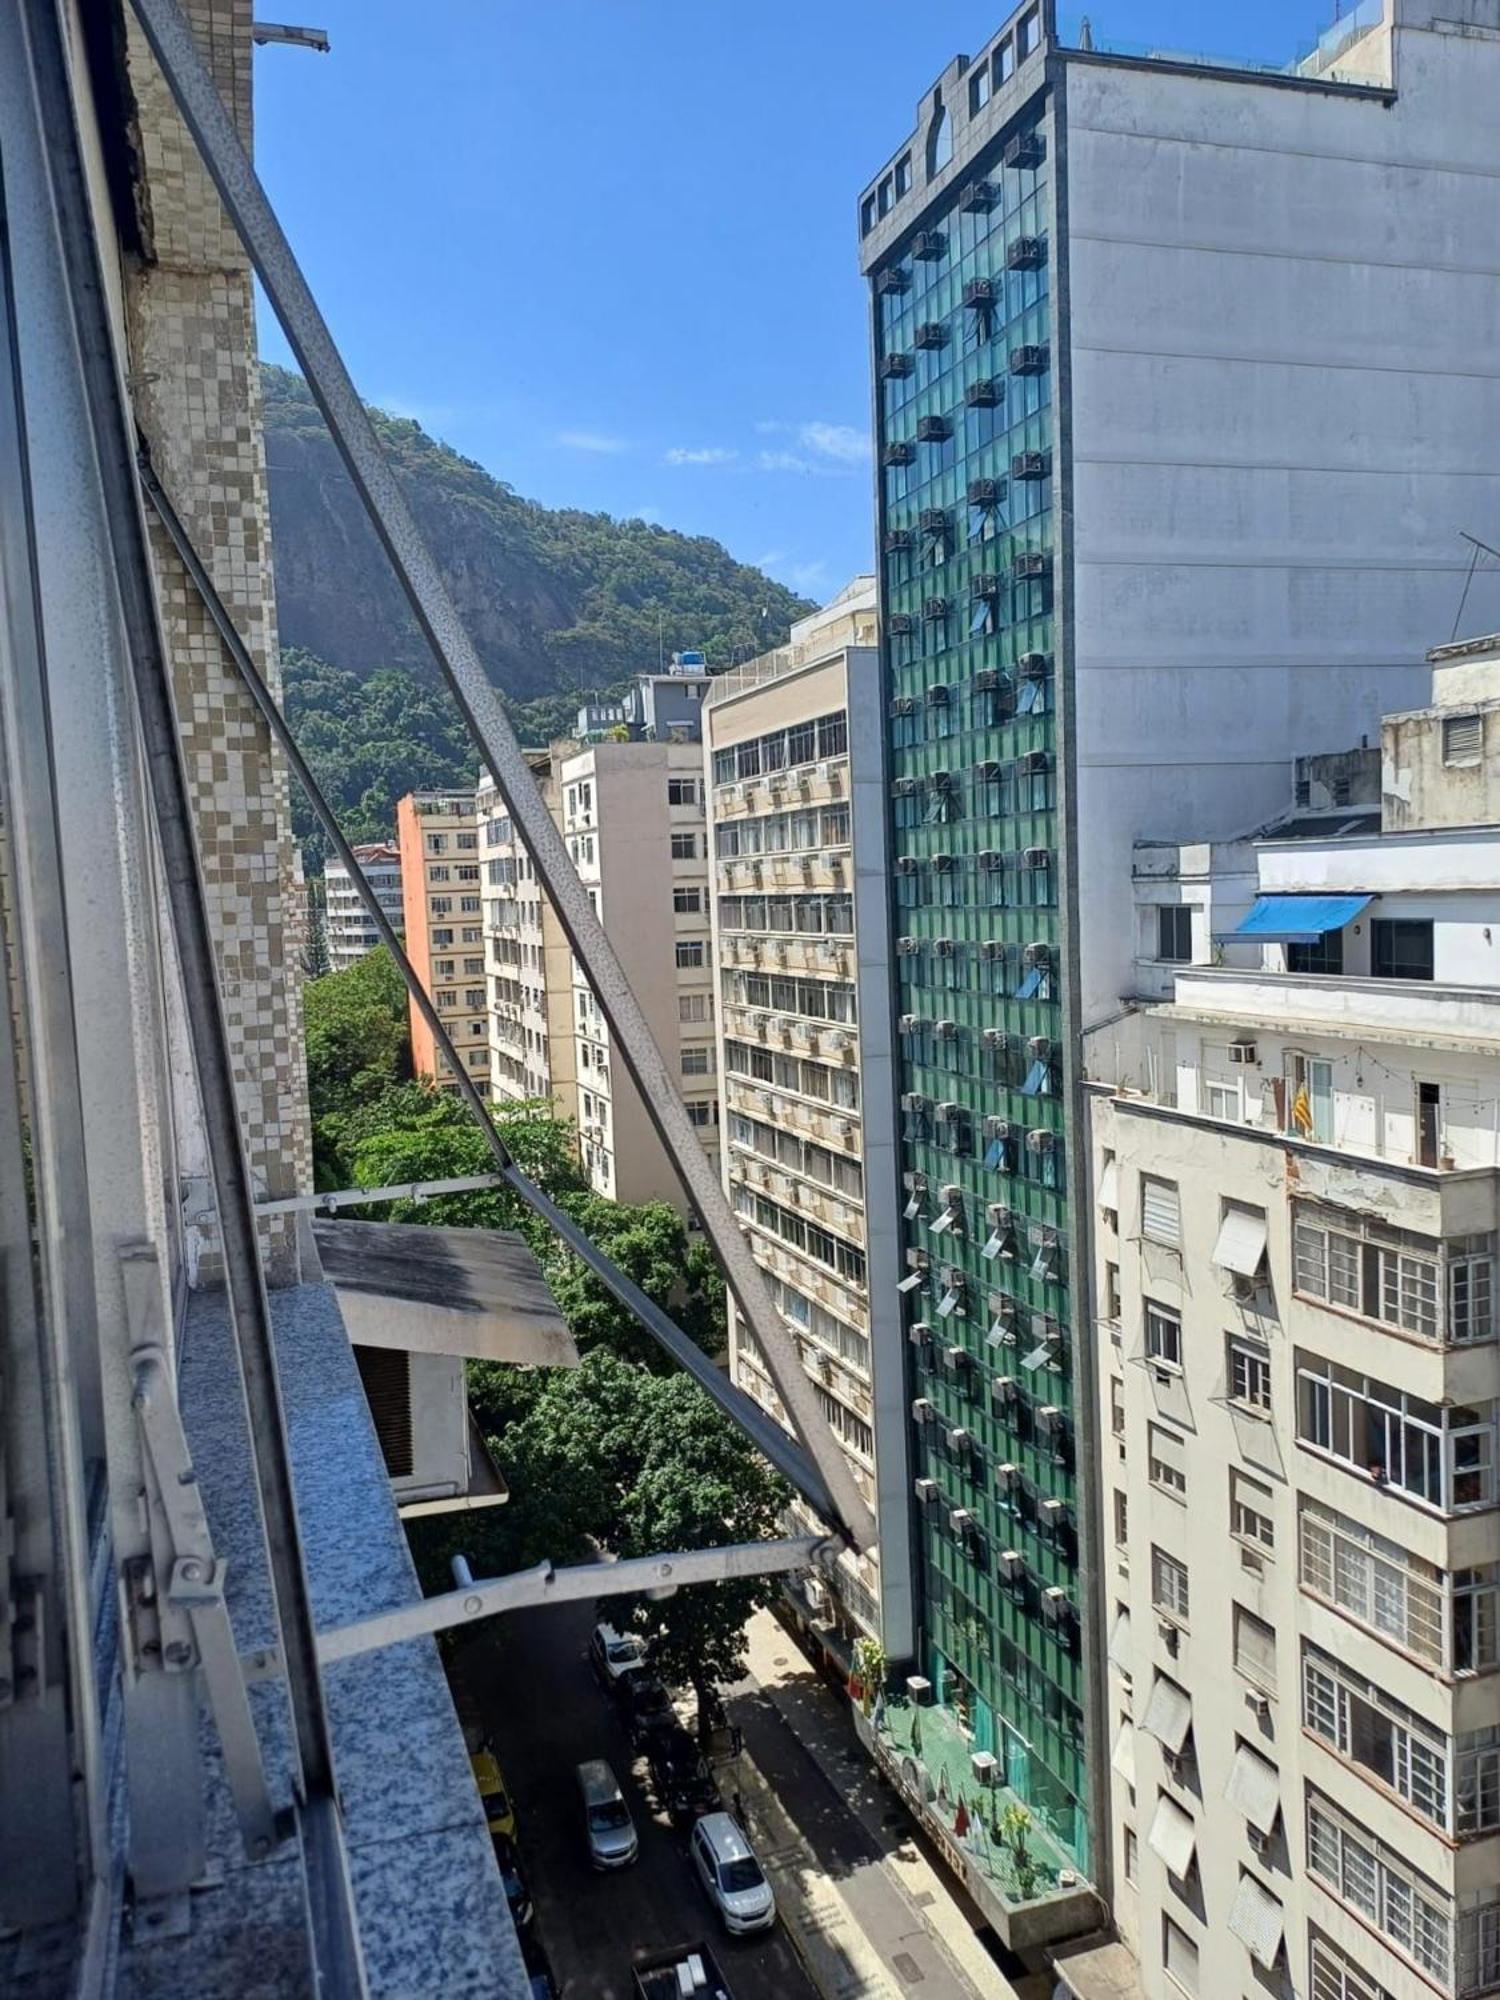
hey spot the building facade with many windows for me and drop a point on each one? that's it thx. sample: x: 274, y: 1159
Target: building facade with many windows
x: 1297, y: 1188
x: 529, y: 966
x: 1158, y: 395
x: 347, y: 926
x: 438, y: 835
x: 801, y: 950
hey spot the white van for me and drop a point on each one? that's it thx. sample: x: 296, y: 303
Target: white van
x: 607, y: 1825
x: 731, y: 1876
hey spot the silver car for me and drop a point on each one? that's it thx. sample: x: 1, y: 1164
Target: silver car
x: 608, y: 1827
x: 731, y: 1876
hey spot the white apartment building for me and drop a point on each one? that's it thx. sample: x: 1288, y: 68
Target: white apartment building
x: 796, y: 789
x: 527, y: 960
x: 1295, y: 1142
x: 347, y: 926
x: 632, y: 816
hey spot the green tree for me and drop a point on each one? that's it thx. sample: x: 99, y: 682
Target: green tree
x: 358, y: 1047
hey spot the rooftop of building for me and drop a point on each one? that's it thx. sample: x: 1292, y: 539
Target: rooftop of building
x: 847, y: 620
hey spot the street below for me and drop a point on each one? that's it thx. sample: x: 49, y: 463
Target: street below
x: 527, y: 1678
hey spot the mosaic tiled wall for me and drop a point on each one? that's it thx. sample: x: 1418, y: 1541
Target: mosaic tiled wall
x: 197, y: 389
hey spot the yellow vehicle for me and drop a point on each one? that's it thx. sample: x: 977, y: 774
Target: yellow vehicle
x: 498, y: 1810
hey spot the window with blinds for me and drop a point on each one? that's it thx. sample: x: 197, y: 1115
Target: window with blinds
x: 1463, y: 739
x: 1180, y: 1956
x: 1161, y: 1211
x: 385, y: 1374
x: 1254, y: 1647
x: 1168, y: 1461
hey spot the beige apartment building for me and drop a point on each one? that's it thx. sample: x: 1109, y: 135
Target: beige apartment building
x: 528, y: 963
x: 1296, y: 1175
x: 438, y: 835
x: 632, y: 816
x: 801, y: 952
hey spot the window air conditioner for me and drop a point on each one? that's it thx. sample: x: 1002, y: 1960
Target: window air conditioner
x: 1242, y: 1052
x: 926, y: 1490
x: 1037, y: 954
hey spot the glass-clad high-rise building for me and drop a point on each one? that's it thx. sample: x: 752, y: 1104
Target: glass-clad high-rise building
x: 1175, y: 406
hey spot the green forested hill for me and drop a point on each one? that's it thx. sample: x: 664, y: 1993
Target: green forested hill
x: 556, y: 600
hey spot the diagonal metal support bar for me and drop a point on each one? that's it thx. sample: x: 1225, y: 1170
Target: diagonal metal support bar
x: 546, y: 1585
x: 767, y: 1435
x: 244, y: 199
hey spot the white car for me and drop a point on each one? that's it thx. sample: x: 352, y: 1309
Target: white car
x: 731, y: 1876
x: 613, y: 1654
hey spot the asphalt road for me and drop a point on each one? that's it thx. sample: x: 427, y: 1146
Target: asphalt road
x: 528, y: 1676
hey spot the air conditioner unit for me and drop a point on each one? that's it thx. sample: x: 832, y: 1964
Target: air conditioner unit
x: 961, y: 1521
x: 946, y: 1030
x: 1004, y: 1389
x: 1007, y: 1477
x: 1055, y: 1606
x: 1174, y: 1764
x: 1168, y: 1633
x: 914, y: 1102
x: 910, y: 1024
x: 998, y: 1128
x: 1050, y: 1418
x: 983, y: 1766
x: 959, y: 1441
x: 907, y: 864
x: 1032, y: 666
x: 1039, y: 1047
x: 1040, y: 1141
x: 1038, y: 857
x: 956, y: 1359
x: 928, y: 244
x: 942, y: 947
x: 1259, y: 1841
x: 925, y: 1490
x: 1258, y: 1703
x: 1242, y: 1052
x: 919, y: 1333
x: 1038, y: 953
x: 909, y: 947
x: 921, y: 1411
x: 1011, y: 1563
x: 979, y: 292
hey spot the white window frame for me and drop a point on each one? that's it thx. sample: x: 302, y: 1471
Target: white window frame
x: 1251, y: 1520
x: 1163, y: 1335
x: 1161, y: 1211
x: 1171, y: 1592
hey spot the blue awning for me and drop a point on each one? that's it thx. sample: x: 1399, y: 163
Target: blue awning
x: 1298, y: 919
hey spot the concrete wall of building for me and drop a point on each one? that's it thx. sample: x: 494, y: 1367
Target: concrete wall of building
x: 1281, y: 405
x: 435, y: 832
x: 1428, y: 780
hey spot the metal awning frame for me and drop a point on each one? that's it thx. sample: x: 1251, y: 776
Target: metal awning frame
x: 836, y: 1496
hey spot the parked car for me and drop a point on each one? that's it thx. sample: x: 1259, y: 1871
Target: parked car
x: 608, y: 1828
x: 612, y: 1654
x: 680, y: 1778
x: 732, y: 1878
x: 498, y: 1810
x: 642, y: 1701
x: 513, y: 1880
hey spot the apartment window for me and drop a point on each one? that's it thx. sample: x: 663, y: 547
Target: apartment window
x: 1174, y: 933
x: 1163, y: 1336
x: 1122, y: 1518
x: 1254, y: 1648
x: 1401, y: 948
x: 1179, y: 1955
x: 1132, y: 1855
x: 1169, y: 1584
x: 1476, y: 1618
x: 979, y: 88
x: 1362, y: 1872
x: 1161, y: 1211
x: 1335, y: 1977
x: 702, y: 1112
x: 687, y: 902
x: 440, y: 906
x: 1111, y: 1301
x: 1117, y: 1406
x: 684, y: 846
x: 1471, y: 1276
x: 1377, y: 1732
x: 697, y: 1062
x: 467, y: 843
x: 1308, y: 1097
x: 690, y: 952
x: 692, y: 1007
x: 1005, y: 61
x: 437, y: 843
x: 1440, y: 1455
x: 682, y: 791
x: 1325, y: 955
x: 1379, y: 1584
x: 1369, y: 1268
x: 445, y: 996
x: 1249, y: 1375
x: 1167, y: 1461
x: 439, y: 872
x: 1463, y: 739
x: 473, y: 997
x: 1251, y: 1518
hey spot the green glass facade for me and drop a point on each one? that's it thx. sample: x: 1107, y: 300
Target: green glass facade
x: 964, y: 443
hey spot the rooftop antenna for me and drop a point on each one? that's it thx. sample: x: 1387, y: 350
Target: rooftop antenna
x: 1480, y: 549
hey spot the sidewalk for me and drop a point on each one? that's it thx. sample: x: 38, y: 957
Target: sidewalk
x: 871, y: 1916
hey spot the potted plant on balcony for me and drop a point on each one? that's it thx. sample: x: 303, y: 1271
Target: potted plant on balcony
x: 1014, y: 1831
x: 869, y: 1671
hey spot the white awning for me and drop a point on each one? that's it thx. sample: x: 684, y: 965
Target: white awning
x: 1109, y: 1186
x: 1254, y: 1787
x: 1173, y: 1837
x: 1256, y: 1920
x: 1119, y: 1644
x: 1242, y: 1241
x: 1169, y: 1714
x: 1122, y: 1761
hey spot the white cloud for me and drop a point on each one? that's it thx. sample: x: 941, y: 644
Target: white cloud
x: 841, y: 442
x: 595, y: 441
x: 806, y: 577
x: 782, y: 461
x: 707, y: 454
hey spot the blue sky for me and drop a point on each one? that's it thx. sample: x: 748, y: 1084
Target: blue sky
x: 607, y: 247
